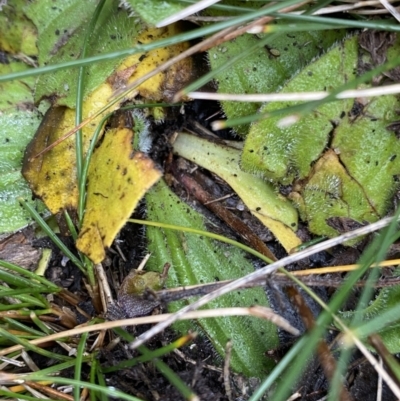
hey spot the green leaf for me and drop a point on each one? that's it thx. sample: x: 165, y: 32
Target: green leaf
x: 196, y: 260
x: 387, y: 299
x: 18, y: 33
x: 341, y: 159
x: 19, y: 119
x: 62, y: 31
x: 267, y: 67
x: 153, y: 11
x: 282, y: 154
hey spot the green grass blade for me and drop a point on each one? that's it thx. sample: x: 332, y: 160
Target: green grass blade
x: 32, y: 276
x: 23, y: 327
x: 78, y: 363
x: 111, y: 392
x: 15, y: 396
x: 44, y: 226
x: 31, y: 347
x: 79, y: 97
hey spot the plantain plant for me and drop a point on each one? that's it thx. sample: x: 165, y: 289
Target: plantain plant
x: 314, y: 157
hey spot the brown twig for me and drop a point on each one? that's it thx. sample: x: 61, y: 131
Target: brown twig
x: 234, y: 222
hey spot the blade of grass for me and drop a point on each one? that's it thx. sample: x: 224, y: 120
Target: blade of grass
x: 44, y: 226
x: 325, y: 318
x: 341, y: 366
x: 38, y: 312
x: 30, y: 347
x: 390, y: 361
x: 382, y: 321
x: 46, y: 330
x: 111, y: 392
x: 22, y: 296
x: 259, y: 274
x: 86, y: 163
x: 205, y: 233
x: 21, y: 305
x: 23, y: 327
x: 18, y: 396
x: 71, y: 225
x: 159, y: 352
x: 163, y: 368
x: 102, y: 382
x: 78, y: 363
x: 308, y: 107
x: 56, y: 369
x: 276, y: 373
x: 274, y: 33
x: 21, y: 282
x: 79, y: 96
x: 31, y: 275
x: 366, y: 296
x: 20, y: 291
x: 94, y: 370
x: 85, y: 167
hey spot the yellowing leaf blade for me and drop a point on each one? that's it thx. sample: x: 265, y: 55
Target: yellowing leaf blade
x: 60, y: 190
x: 118, y: 178
x: 52, y: 176
x: 273, y: 210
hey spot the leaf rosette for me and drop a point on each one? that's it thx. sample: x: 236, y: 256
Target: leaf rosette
x: 342, y: 157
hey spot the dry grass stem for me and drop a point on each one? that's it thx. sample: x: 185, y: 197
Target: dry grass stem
x: 262, y: 273
x: 210, y: 313
x: 297, y: 96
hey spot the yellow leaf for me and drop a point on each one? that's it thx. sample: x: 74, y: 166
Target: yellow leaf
x: 52, y: 176
x: 118, y: 179
x: 271, y: 208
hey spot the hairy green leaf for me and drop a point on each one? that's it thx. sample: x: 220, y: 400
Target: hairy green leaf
x: 153, y: 11
x: 195, y: 260
x: 387, y: 299
x: 19, y: 119
x: 275, y: 58
x: 342, y: 158
x: 62, y: 31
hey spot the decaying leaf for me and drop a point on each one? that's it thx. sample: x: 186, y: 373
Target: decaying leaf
x: 118, y: 178
x: 18, y: 33
x: 271, y: 208
x: 52, y: 176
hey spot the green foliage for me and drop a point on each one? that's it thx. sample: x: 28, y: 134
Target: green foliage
x: 153, y: 11
x: 62, y: 31
x: 387, y: 299
x: 267, y: 67
x: 342, y: 154
x: 18, y: 33
x: 196, y: 260
x: 19, y: 119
